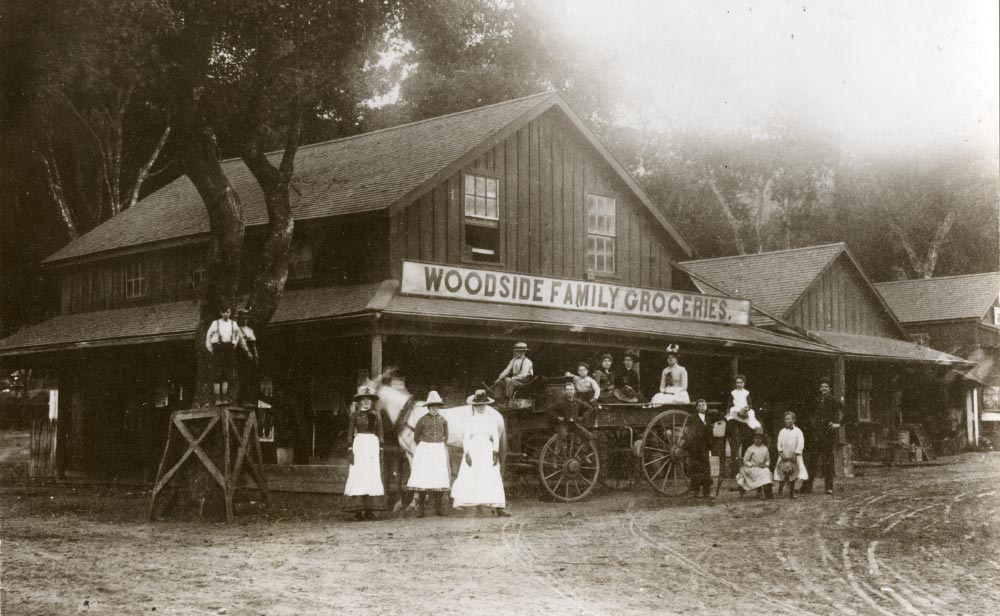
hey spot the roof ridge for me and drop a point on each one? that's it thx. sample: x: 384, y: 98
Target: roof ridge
x: 936, y: 278
x: 770, y: 252
x: 405, y: 125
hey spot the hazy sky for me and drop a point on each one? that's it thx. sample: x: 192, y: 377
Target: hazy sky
x: 878, y: 73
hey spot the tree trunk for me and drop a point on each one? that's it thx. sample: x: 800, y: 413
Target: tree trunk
x: 727, y: 211
x: 225, y: 252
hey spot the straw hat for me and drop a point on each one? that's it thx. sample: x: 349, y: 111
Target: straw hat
x: 521, y: 346
x: 433, y: 399
x: 365, y: 392
x: 479, y: 397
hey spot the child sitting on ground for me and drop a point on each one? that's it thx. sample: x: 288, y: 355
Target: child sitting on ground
x: 755, y: 473
x: 790, y: 467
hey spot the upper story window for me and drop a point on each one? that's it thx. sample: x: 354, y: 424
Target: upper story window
x: 481, y: 198
x: 199, y: 275
x: 865, y: 396
x: 300, y: 261
x: 996, y: 315
x: 136, y: 280
x: 921, y: 339
x: 601, y: 234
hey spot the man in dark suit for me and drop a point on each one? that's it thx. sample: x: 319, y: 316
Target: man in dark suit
x: 822, y: 432
x: 697, y: 443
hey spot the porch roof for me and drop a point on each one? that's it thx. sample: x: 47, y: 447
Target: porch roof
x: 430, y: 309
x: 173, y: 321
x: 856, y: 346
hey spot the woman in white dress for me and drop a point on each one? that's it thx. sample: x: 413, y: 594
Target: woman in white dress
x: 673, y: 381
x: 479, y: 482
x: 364, y: 490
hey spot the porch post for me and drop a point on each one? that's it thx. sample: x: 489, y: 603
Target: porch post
x: 975, y: 416
x: 734, y: 368
x: 376, y: 364
x: 840, y: 390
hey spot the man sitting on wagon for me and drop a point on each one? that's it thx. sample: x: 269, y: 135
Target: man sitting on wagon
x: 570, y: 413
x: 518, y: 373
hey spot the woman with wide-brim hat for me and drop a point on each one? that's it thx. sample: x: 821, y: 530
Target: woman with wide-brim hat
x: 430, y: 472
x: 479, y: 482
x: 364, y: 492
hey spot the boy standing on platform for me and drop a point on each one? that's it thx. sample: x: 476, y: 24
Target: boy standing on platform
x: 221, y: 341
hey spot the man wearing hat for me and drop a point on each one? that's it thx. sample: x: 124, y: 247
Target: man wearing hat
x: 247, y: 359
x: 627, y: 383
x: 517, y: 373
x: 822, y: 431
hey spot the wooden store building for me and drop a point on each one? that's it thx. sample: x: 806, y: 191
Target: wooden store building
x: 431, y: 247
x: 959, y: 315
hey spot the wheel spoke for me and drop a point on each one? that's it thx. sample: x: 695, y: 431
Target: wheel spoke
x: 656, y: 449
x: 670, y: 467
x: 658, y: 471
x: 657, y: 460
x: 556, y: 472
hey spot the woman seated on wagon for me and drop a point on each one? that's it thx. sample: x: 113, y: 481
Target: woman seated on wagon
x: 673, y: 381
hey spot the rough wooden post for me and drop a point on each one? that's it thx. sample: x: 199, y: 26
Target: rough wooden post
x: 376, y: 363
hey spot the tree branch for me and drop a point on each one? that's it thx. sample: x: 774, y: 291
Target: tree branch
x: 144, y: 170
x: 55, y: 186
x: 727, y: 211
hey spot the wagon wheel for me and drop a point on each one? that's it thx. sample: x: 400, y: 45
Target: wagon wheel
x: 569, y: 467
x: 662, y: 457
x: 618, y: 472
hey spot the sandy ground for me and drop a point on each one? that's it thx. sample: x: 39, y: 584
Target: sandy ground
x: 897, y: 541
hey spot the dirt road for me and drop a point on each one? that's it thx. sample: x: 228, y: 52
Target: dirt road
x: 898, y: 541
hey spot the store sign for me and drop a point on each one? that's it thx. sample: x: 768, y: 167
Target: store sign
x: 446, y: 281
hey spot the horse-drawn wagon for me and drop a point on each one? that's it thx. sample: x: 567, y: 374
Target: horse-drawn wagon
x: 616, y: 445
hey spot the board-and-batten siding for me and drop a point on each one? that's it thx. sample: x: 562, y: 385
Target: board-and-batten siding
x: 544, y: 172
x: 840, y: 301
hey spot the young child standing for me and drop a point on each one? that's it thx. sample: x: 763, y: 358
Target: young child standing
x: 431, y: 473
x: 755, y: 474
x: 364, y: 491
x: 790, y: 466
x: 221, y: 341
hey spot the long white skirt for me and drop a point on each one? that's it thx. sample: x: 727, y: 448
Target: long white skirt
x: 364, y: 477
x: 431, y: 471
x: 673, y: 396
x: 481, y: 483
x: 752, y: 477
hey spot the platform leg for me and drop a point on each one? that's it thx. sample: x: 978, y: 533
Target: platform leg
x: 159, y: 473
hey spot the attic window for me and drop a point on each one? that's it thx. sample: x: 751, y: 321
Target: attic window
x: 481, y: 200
x: 300, y: 261
x: 136, y: 280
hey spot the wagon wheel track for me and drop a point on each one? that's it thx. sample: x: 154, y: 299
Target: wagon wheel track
x: 528, y: 559
x: 639, y: 530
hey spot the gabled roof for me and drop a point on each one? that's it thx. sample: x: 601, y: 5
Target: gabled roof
x: 772, y: 281
x: 364, y: 173
x: 942, y: 299
x: 887, y: 349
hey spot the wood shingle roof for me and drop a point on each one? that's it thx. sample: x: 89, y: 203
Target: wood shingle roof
x: 362, y: 173
x: 773, y: 281
x: 942, y: 299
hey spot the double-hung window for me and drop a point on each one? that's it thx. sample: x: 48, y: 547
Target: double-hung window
x: 481, y: 199
x: 300, y: 261
x: 136, y: 280
x: 601, y: 234
x: 865, y: 396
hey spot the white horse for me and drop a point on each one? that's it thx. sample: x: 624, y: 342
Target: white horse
x: 404, y: 412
